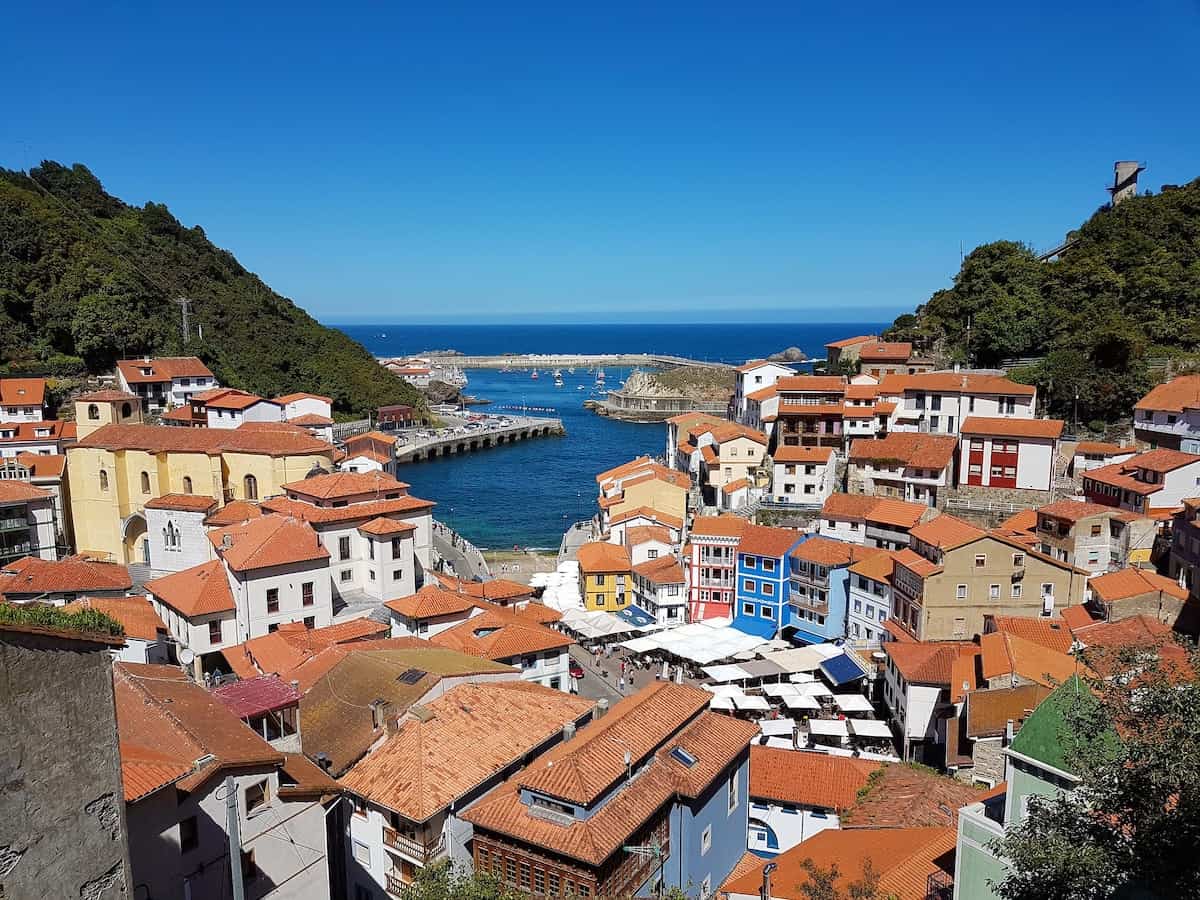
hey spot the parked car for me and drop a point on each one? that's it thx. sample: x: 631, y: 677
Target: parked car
x: 576, y: 670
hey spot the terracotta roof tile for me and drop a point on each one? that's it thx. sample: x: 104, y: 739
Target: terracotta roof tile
x: 27, y: 432
x: 1054, y: 634
x: 828, y: 552
x: 196, y: 591
x: 462, y: 739
x: 762, y: 540
x: 989, y: 712
x: 929, y: 451
x: 106, y: 396
x: 339, y: 485
x: 496, y: 589
x: 302, y: 395
x: 385, y: 527
x: 736, y: 485
x: 601, y: 556
x: 903, y: 796
x: 807, y: 779
x: 1077, y: 617
x: 796, y: 454
x: 648, y: 513
x: 916, y: 563
x: 43, y: 465
x: 1045, y: 429
x: 136, y: 614
x: 431, y: 601
x: 718, y: 526
x: 499, y: 634
x: 13, y: 490
x: 641, y: 534
x: 763, y: 393
x: 182, y: 502
x: 1136, y: 631
x: 1176, y: 395
x: 257, y: 696
x: 1102, y: 448
x: 664, y: 570
x: 946, y: 532
x: 954, y: 383
x: 851, y: 341
x: 1126, y: 583
x: 823, y: 384
x: 324, y: 515
x: 267, y: 541
x: 886, y: 351
x: 73, y: 574
x: 1003, y: 653
x: 234, y: 512
x: 928, y: 662
x: 877, y: 567
x: 271, y: 441
x: 22, y: 391
x: 164, y: 369
x: 310, y: 420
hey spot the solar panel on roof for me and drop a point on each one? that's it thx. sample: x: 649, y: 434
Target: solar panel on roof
x: 410, y: 676
x: 683, y: 756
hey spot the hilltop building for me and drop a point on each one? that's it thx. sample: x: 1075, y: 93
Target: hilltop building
x: 22, y: 399
x: 164, y: 382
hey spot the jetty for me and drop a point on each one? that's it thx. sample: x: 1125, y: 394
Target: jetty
x: 568, y: 360
x: 453, y: 441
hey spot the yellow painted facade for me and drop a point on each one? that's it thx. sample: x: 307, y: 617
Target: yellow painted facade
x: 606, y: 591
x: 110, y: 488
x: 658, y: 495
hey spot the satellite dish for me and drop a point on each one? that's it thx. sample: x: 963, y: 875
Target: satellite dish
x: 187, y: 656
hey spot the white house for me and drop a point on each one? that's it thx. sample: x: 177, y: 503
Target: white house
x: 176, y: 534
x: 22, y: 399
x: 1090, y: 455
x: 164, y: 382
x: 373, y: 451
x: 938, y: 402
x: 44, y: 438
x: 179, y: 743
x: 1152, y: 482
x: 28, y: 526
x: 805, y: 476
x: 379, y: 559
x: 1169, y: 416
x: 921, y: 683
x: 227, y: 408
x: 303, y: 404
x: 762, y: 410
x: 870, y: 598
x: 1008, y: 453
x: 514, y: 637
x: 429, y: 611
x: 647, y: 542
x: 268, y: 571
x: 753, y: 377
x: 641, y: 517
x: 660, y: 588
x: 48, y: 472
x: 912, y: 467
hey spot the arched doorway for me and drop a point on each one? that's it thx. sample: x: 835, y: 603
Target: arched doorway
x: 134, y: 541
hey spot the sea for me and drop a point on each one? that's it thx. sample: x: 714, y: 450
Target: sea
x: 526, y: 494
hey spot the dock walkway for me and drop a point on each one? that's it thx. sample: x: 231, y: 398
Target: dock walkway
x: 415, y: 447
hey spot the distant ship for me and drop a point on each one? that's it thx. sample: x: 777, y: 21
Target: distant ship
x: 571, y: 370
x: 600, y: 378
x: 558, y: 379
x: 533, y: 374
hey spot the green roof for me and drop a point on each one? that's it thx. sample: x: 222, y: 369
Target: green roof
x: 1046, y: 735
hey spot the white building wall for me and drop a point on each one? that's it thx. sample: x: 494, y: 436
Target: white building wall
x: 648, y: 550
x: 807, y: 488
x: 250, y: 597
x: 870, y: 604
x: 851, y: 532
x: 232, y: 418
x: 425, y: 628
x: 548, y: 668
x: 20, y: 414
x: 307, y: 406
x: 193, y: 548
x: 1178, y: 485
x: 791, y: 824
x: 179, y: 392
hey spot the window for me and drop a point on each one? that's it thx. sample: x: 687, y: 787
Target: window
x: 345, y: 575
x: 768, y: 565
x: 993, y: 592
x: 747, y: 584
x: 396, y: 574
x: 189, y: 837
x: 103, y: 480
x: 706, y: 840
x: 306, y: 594
x: 599, y: 599
x: 510, y: 870
x: 597, y: 579
x: 344, y: 547
x: 257, y: 796
x: 145, y: 482
x: 539, y: 881
x: 961, y: 592
x: 554, y: 884
x: 1018, y: 560
x: 362, y: 854
x: 706, y: 887
x: 732, y: 792
x: 748, y: 608
x: 187, y: 484
x: 370, y: 549
x: 524, y: 880
x: 980, y: 560
x: 766, y: 612
x: 1016, y: 590
x: 272, y: 600
x: 652, y: 554
x: 1047, y: 589
x: 310, y: 622
x: 93, y: 411
x: 768, y: 589
x: 214, y: 632
x: 250, y: 487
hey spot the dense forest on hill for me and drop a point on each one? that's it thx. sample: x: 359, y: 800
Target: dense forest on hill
x: 1125, y: 292
x: 86, y: 279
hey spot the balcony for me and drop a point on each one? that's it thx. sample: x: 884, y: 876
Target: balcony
x: 395, y: 886
x: 417, y: 851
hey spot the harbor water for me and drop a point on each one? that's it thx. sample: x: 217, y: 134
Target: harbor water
x: 527, y: 493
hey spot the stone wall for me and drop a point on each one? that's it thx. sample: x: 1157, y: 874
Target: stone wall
x: 62, y: 808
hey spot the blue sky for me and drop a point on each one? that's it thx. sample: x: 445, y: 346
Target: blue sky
x: 709, y: 162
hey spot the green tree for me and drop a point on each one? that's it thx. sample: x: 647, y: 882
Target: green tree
x: 1132, y: 826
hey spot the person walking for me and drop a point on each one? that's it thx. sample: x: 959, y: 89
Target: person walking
x: 621, y: 684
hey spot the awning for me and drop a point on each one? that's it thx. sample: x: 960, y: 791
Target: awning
x: 640, y: 645
x: 870, y: 728
x: 852, y: 703
x: 828, y: 727
x: 762, y: 668
x: 800, y: 701
x: 759, y: 627
x: 721, y: 703
x: 841, y: 669
x: 725, y: 673
x: 783, y: 743
x: 636, y: 616
x: 752, y: 701
x: 798, y: 634
x: 777, y: 726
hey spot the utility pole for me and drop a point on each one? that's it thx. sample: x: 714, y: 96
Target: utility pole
x: 184, y: 303
x: 232, y: 826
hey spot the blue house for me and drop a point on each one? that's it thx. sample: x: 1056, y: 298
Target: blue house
x: 819, y: 588
x: 760, y: 598
x: 653, y: 794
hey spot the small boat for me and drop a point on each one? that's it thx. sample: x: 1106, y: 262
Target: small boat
x: 581, y: 387
x: 600, y: 378
x: 558, y: 379
x: 533, y: 374
x: 570, y: 370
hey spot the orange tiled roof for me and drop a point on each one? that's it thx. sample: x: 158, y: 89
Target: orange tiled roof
x: 718, y: 526
x: 946, y: 532
x: 1000, y: 426
x: 634, y: 464
x: 828, y: 552
x: 1127, y: 583
x: 498, y: 634
x: 664, y: 570
x: 106, y: 396
x: 910, y: 796
x: 1136, y: 631
x: 886, y: 351
x: 1074, y: 510
x: 22, y: 391
x: 928, y: 451
x: 823, y: 384
x: 233, y: 512
x: 989, y: 711
x: 270, y: 441
x: 601, y: 556
x: 196, y: 591
x: 338, y: 485
x: 904, y: 858
x: 136, y: 614
x: 1176, y: 395
x: 850, y: 341
x: 807, y: 779
x: 229, y: 398
x: 385, y: 527
x: 709, y: 454
x: 73, y: 574
x: 1054, y: 634
x: 954, y: 383
x: 43, y: 465
x: 182, y: 502
x: 26, y: 432
x: 928, y: 662
x: 324, y: 515
x: 495, y: 589
x: 885, y: 511
x: 287, y: 649
x: 302, y: 395
x: 1003, y: 653
x: 267, y: 541
x: 763, y: 393
x: 641, y: 534
x: 916, y: 563
x: 463, y: 738
x: 862, y: 391
x: 877, y: 567
x: 762, y: 540
x: 429, y: 602
x: 164, y: 369
x: 649, y: 514
x: 796, y: 454
x: 310, y: 420
x: 736, y: 485
x: 1077, y: 617
x: 1102, y: 448
x: 752, y: 364
x: 13, y: 490
x: 1025, y: 520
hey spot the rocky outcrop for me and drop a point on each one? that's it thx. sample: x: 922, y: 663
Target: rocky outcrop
x: 791, y: 354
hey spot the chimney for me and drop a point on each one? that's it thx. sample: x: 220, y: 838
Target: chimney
x: 379, y: 713
x: 1008, y: 732
x: 393, y: 724
x: 568, y: 731
x: 764, y: 892
x: 601, y: 708
x: 226, y: 541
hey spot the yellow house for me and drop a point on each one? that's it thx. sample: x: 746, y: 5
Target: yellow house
x: 639, y: 483
x: 116, y: 469
x: 605, y: 576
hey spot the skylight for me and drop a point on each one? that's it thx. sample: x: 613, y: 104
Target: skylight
x: 682, y: 756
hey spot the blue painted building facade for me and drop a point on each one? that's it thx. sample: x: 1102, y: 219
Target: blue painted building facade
x: 819, y: 589
x: 763, y: 574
